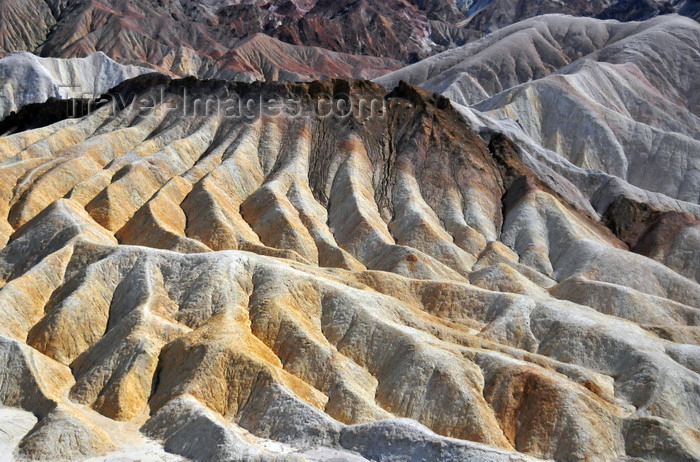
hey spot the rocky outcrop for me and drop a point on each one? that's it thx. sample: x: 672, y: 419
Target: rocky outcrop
x: 28, y: 79
x: 594, y: 101
x: 295, y: 285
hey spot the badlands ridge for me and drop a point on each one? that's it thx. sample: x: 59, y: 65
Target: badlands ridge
x: 429, y: 281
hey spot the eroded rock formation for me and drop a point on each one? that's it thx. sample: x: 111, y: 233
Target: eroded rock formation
x: 611, y: 106
x: 28, y: 79
x: 297, y: 287
x: 301, y: 39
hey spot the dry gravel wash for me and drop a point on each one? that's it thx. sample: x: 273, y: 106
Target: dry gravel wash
x: 301, y: 288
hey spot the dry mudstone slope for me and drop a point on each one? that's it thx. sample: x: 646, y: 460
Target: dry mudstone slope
x: 393, y: 285
x: 611, y: 106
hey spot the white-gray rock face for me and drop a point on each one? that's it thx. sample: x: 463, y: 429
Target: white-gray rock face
x: 621, y: 98
x: 26, y: 78
x: 404, y: 439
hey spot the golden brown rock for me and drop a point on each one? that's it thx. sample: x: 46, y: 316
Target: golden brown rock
x: 317, y: 281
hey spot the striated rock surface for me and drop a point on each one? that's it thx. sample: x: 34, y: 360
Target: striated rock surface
x: 611, y: 106
x: 388, y: 285
x: 304, y: 39
x: 26, y: 78
x: 191, y: 37
x: 261, y: 57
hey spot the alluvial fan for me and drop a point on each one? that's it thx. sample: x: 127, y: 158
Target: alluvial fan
x: 255, y: 282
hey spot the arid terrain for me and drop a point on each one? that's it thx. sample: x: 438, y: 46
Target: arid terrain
x: 490, y: 252
x: 287, y: 40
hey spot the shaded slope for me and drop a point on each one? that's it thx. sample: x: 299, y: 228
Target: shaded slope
x: 261, y: 57
x: 612, y: 107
